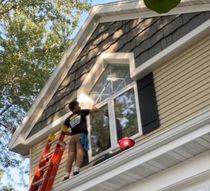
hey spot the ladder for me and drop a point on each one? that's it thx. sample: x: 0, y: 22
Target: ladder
x: 48, y: 165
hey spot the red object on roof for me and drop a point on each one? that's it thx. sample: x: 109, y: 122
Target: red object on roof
x: 126, y: 143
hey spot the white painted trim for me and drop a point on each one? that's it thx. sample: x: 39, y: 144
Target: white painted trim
x: 172, y: 50
x: 97, y: 14
x: 39, y: 136
x: 141, y: 153
x: 135, y: 13
x: 177, y: 177
x: 100, y: 65
x: 133, y: 9
x: 53, y: 127
x: 112, y: 125
x: 138, y: 110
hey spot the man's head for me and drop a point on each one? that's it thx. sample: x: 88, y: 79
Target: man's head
x: 74, y: 106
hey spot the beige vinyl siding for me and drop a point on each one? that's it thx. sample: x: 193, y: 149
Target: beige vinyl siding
x: 183, y: 84
x: 35, y: 155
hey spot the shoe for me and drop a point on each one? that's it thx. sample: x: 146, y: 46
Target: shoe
x: 65, y: 178
x: 75, y: 173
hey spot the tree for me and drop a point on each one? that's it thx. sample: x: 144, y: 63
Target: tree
x: 161, y: 6
x: 33, y: 37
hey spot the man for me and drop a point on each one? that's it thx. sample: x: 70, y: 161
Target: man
x: 79, y: 141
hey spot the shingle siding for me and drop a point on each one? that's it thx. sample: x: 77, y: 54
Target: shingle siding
x: 145, y: 37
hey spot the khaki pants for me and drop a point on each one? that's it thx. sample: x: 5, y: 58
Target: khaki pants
x: 74, y: 140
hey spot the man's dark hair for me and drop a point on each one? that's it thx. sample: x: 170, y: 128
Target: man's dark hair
x: 73, y: 104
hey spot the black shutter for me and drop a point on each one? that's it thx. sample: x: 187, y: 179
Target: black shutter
x: 148, y: 104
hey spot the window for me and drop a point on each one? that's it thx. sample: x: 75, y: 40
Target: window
x: 115, y: 93
x: 125, y: 114
x: 100, y: 131
x: 114, y: 78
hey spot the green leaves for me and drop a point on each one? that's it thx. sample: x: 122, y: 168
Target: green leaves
x: 33, y: 37
x: 1, y: 174
x: 161, y: 6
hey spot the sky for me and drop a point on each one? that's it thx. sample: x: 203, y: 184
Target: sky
x: 85, y: 15
x: 96, y: 2
x: 15, y: 177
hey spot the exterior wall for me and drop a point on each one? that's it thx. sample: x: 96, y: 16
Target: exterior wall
x: 182, y: 89
x: 183, y: 85
x: 145, y: 37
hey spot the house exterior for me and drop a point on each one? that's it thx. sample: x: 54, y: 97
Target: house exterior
x: 150, y: 76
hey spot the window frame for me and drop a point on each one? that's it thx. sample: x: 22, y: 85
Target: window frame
x: 112, y: 122
x: 91, y: 158
x: 100, y: 65
x: 89, y: 82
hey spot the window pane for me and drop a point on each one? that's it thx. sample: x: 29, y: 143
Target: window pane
x: 125, y: 114
x: 100, y: 134
x: 114, y: 78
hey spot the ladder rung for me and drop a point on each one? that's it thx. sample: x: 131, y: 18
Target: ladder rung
x: 43, y: 168
x: 63, y: 144
x: 38, y: 182
x: 48, y: 155
x: 53, y: 142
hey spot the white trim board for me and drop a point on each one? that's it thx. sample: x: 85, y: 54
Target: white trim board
x: 140, y: 11
x: 196, y: 169
x: 97, y: 14
x: 100, y: 65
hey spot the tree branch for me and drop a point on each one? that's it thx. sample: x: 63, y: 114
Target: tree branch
x: 11, y: 130
x: 5, y: 109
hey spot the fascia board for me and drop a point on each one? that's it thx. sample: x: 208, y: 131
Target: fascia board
x: 137, y: 9
x: 97, y: 15
x: 27, y: 143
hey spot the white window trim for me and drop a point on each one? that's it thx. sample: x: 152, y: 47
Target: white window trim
x: 90, y: 81
x: 112, y: 123
x: 128, y: 87
x: 90, y: 157
x: 99, y: 66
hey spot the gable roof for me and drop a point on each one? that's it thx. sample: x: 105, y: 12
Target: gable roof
x: 99, y: 14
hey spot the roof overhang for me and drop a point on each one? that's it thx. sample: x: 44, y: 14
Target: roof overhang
x: 184, y: 142
x: 103, y: 13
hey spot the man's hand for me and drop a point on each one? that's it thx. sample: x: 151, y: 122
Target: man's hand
x: 94, y: 109
x: 66, y: 130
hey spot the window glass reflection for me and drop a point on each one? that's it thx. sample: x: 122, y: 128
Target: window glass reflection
x: 113, y: 79
x: 125, y: 114
x: 100, y: 133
